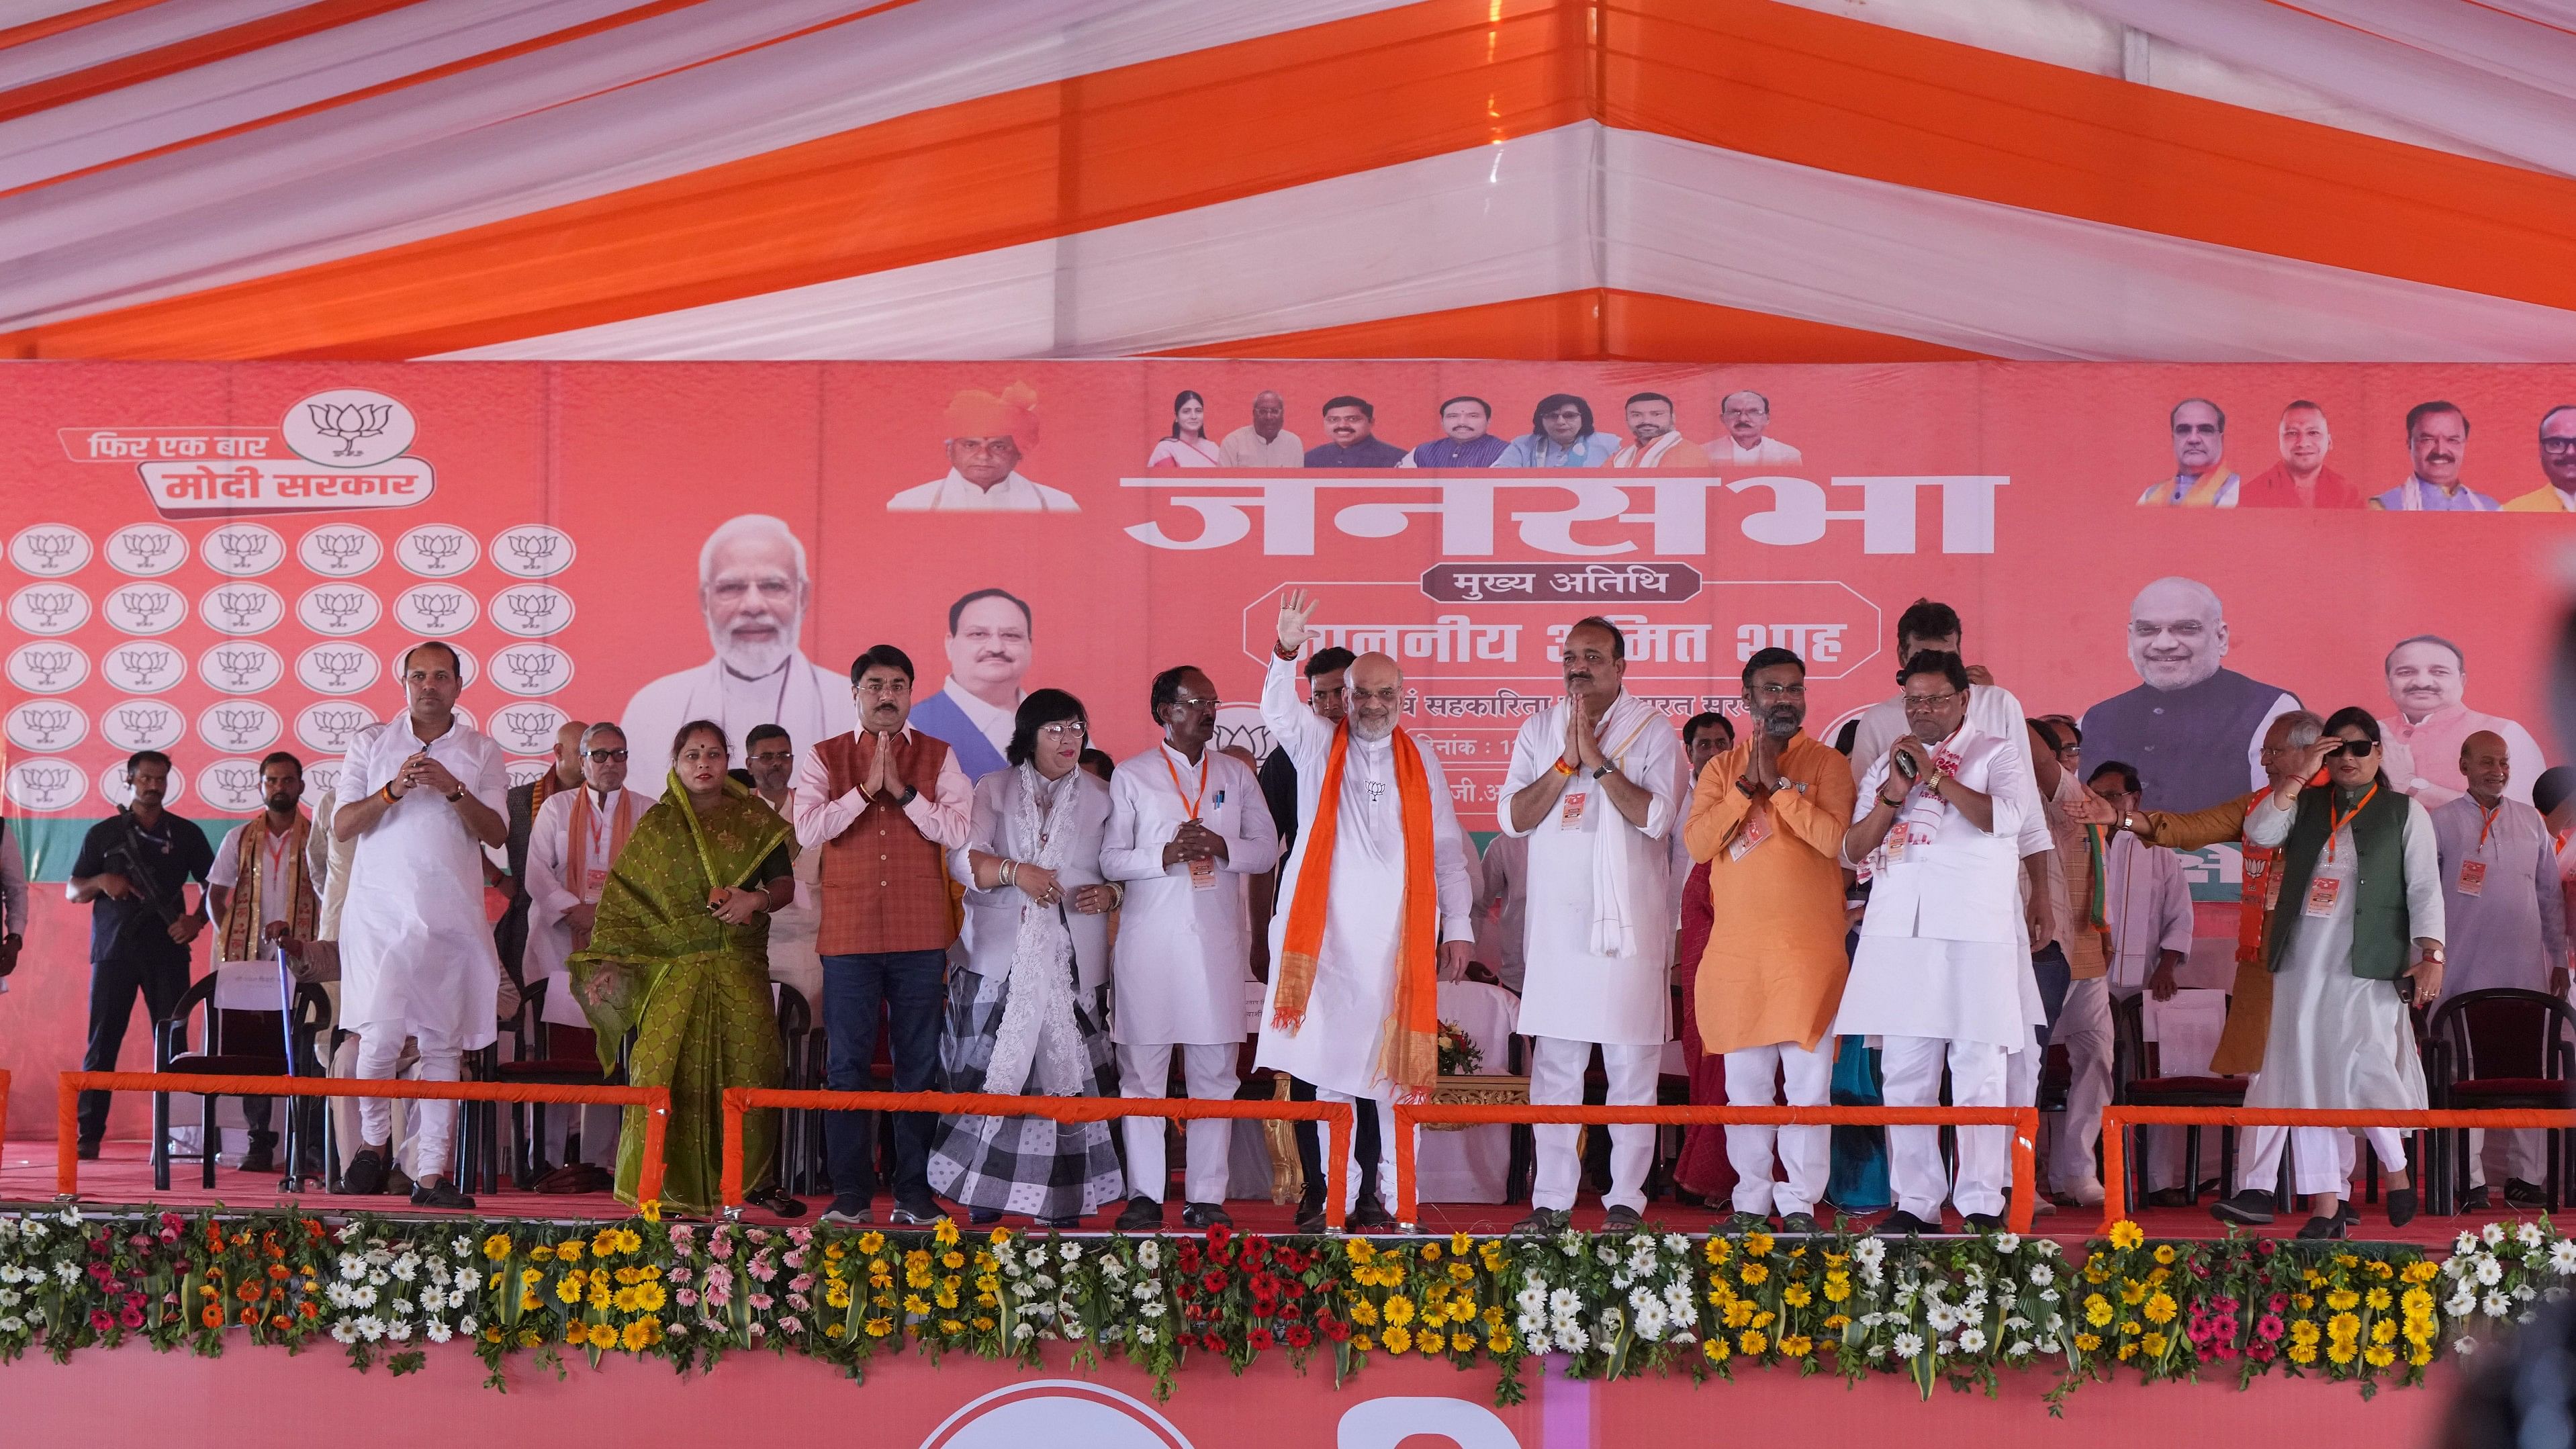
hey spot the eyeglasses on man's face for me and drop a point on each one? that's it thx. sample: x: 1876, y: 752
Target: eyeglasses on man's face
x: 604, y: 756
x: 1919, y: 703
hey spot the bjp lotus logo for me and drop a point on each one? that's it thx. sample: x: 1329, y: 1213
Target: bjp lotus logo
x: 348, y: 427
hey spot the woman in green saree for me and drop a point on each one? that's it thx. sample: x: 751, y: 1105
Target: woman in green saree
x: 679, y: 955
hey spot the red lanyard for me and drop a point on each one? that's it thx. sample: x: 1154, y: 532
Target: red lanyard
x: 2335, y: 823
x: 1188, y: 802
x: 2486, y: 820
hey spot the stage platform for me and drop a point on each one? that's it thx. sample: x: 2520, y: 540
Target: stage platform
x: 122, y: 1177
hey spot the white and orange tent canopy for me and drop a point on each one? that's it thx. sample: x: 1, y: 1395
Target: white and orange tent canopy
x: 1826, y: 180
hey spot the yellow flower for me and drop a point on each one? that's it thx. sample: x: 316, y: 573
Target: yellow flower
x: 2342, y: 1300
x: 497, y: 1246
x: 1459, y: 1272
x: 2133, y: 1292
x: 2377, y: 1298
x: 1499, y: 1341
x: 569, y: 1289
x: 2161, y: 1308
x: 1459, y: 1342
x: 1458, y: 1243
x: 944, y: 1232
x: 2383, y: 1331
x: 629, y: 1241
x: 652, y: 1211
x: 2087, y: 1342
x: 569, y: 1250
x: 1796, y: 1295
x: 529, y: 1302
x: 879, y: 1327
x: 1758, y: 1243
x: 1492, y: 1316
x: 1796, y: 1345
x: 1754, y: 1274
x: 2097, y: 1309
x: 1431, y: 1252
x: 1399, y: 1309
x: 542, y: 1253
x: 1398, y: 1340
x: 1752, y: 1341
x: 983, y: 1324
x: 577, y: 1333
x: 625, y: 1300
x: 2422, y: 1272
x: 2164, y: 1252
x: 2302, y: 1331
x: 950, y: 1325
x: 1716, y: 1350
x: 2339, y: 1354
x: 528, y: 1338
x: 2153, y: 1345
x: 1716, y: 1251
x: 831, y: 1330
x: 871, y: 1242
x: 2126, y: 1235
x: 914, y: 1303
x: 2128, y: 1351
x: 1837, y: 1288
x: 1362, y: 1252
x: 952, y: 1260
x: 638, y: 1335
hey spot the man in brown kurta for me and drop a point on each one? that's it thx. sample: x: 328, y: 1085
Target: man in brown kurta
x: 1768, y: 816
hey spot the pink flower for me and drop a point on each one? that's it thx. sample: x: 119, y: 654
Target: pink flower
x: 2260, y: 1353
x: 720, y: 1247
x: 794, y: 1259
x: 2226, y: 1351
x: 757, y: 1235
x: 719, y: 1279
x: 685, y: 1297
x: 797, y: 1301
x: 762, y: 1268
x: 683, y: 1237
x: 790, y: 1325
x: 800, y: 1236
x: 139, y: 1240
x: 169, y: 1235
x: 2268, y: 1328
x: 2277, y: 1303
x: 681, y: 1273
x: 131, y: 1316
x: 800, y: 1282
x: 760, y: 1302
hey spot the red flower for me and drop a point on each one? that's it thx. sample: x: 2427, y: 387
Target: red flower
x: 99, y: 1320
x: 1185, y: 1340
x: 1255, y: 1247
x: 1333, y: 1328
x: 1213, y: 1281
x: 1219, y: 1235
x: 1264, y: 1309
x: 1211, y: 1343
x: 1290, y: 1259
x: 1188, y: 1258
x: 1299, y: 1335
x: 1259, y: 1338
x: 1265, y: 1287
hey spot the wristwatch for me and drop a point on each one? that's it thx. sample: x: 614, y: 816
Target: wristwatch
x: 458, y: 795
x: 910, y: 792
x: 1607, y: 770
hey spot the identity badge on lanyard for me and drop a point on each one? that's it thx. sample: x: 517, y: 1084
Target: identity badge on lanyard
x: 1569, y: 810
x: 1202, y: 872
x: 1755, y: 830
x: 2473, y: 872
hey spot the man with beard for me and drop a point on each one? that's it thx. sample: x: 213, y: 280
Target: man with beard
x: 882, y: 804
x: 1656, y: 443
x: 1377, y: 896
x: 572, y: 848
x: 988, y: 436
x: 753, y: 590
x: 132, y: 872
x: 1595, y: 783
x: 770, y: 756
x: 2201, y: 477
x: 419, y: 961
x: 2557, y: 464
x: 1942, y: 971
x: 1264, y: 442
x: 261, y: 899
x: 2437, y: 439
x: 2427, y: 676
x: 2193, y: 730
x: 988, y: 656
x: 1768, y: 818
x: 1187, y: 828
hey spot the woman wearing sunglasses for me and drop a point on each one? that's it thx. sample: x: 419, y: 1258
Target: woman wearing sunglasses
x: 2356, y: 941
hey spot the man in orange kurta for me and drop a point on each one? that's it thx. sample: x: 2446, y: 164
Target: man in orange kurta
x: 1768, y: 817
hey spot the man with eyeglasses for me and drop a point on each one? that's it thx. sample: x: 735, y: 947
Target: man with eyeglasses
x: 2201, y: 477
x: 510, y: 933
x: 1188, y: 828
x: 769, y: 754
x: 2557, y: 463
x: 882, y: 805
x: 571, y: 849
x: 1943, y: 971
x: 1595, y: 784
x: 1767, y: 822
x: 2193, y: 728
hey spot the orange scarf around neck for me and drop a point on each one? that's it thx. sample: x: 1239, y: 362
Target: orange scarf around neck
x: 1411, y: 1056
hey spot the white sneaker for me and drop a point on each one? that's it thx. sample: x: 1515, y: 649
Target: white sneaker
x: 2087, y: 1193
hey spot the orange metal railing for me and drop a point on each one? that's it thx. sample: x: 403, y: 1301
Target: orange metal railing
x: 2024, y: 1121
x: 1336, y: 1117
x: 2115, y: 1147
x: 655, y: 1100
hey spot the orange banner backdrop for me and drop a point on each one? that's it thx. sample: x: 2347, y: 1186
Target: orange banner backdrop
x: 221, y: 560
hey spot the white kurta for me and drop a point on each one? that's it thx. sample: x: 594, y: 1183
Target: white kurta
x: 1184, y: 951
x: 954, y: 493
x: 1600, y: 914
x: 551, y: 892
x: 1502, y: 908
x: 1941, y: 951
x: 419, y: 959
x: 810, y: 702
x: 1339, y: 1046
x: 1992, y: 710
x: 2338, y: 1040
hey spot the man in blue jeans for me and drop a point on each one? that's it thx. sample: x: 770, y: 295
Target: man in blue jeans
x: 884, y: 803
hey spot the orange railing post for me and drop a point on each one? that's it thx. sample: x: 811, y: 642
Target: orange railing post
x: 2023, y: 1120
x: 2115, y: 1159
x: 1336, y: 1117
x: 655, y: 1100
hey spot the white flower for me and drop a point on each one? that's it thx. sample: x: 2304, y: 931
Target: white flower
x: 1621, y: 1279
x: 2490, y: 1272
x: 465, y: 1325
x: 402, y: 1306
x: 1869, y: 1250
x: 1532, y: 1326
x: 341, y: 1332
x: 1676, y: 1244
x: 2466, y: 1242
x: 2529, y: 1234
x: 1570, y: 1338
x: 66, y: 1274
x: 337, y: 1295
x: 2462, y: 1303
x: 2496, y: 1305
x: 1153, y: 1309
x: 1908, y: 1345
x: 1564, y: 1302
x: 405, y: 1266
x: 2522, y: 1293
x: 1942, y: 1317
x: 1532, y: 1298
x: 1025, y: 1331
x: 440, y: 1332
x: 1112, y: 1268
x: 1149, y: 1255
x: 400, y: 1331
x: 2562, y: 1256
x: 1651, y: 1321
x: 1640, y: 1297
x: 364, y: 1295
x: 2007, y: 1242
x: 2493, y: 1233
x: 1069, y: 1250
x: 1606, y: 1254
x: 352, y: 1266
x: 455, y: 1297
x: 1972, y: 1339
x: 1144, y: 1334
x: 371, y: 1328
x: 2018, y: 1348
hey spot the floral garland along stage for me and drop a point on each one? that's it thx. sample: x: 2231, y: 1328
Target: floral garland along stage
x: 1955, y: 1310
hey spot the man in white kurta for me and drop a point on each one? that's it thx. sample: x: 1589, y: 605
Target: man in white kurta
x: 794, y: 961
x: 1187, y: 830
x: 1595, y: 783
x: 1942, y: 971
x: 1340, y: 1046
x: 571, y: 848
x: 427, y: 796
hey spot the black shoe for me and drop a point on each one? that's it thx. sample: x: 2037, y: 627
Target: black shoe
x: 2335, y: 1227
x: 1368, y: 1217
x: 1542, y: 1223
x: 398, y: 1183
x: 2530, y: 1196
x: 1799, y: 1224
x: 1143, y: 1215
x: 262, y: 1156
x: 778, y: 1202
x: 2479, y: 1200
x: 983, y: 1217
x: 85, y: 1151
x: 365, y: 1174
x: 848, y: 1212
x: 1901, y: 1223
x: 1205, y: 1215
x: 2168, y: 1197
x: 1739, y: 1223
x: 2401, y: 1206
x: 1985, y: 1222
x: 2249, y: 1207
x: 1310, y: 1216
x: 438, y: 1192
x: 919, y: 1212
x: 1622, y: 1219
